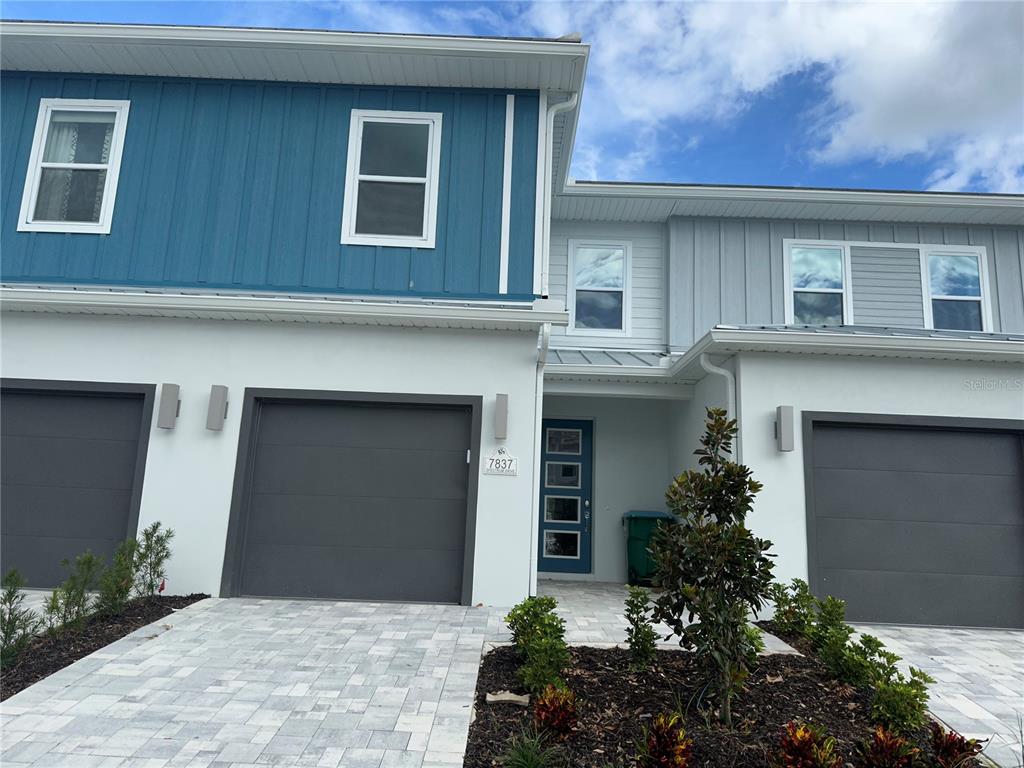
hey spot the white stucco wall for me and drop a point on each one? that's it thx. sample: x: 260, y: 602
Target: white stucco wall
x: 190, y: 470
x: 848, y: 385
x: 631, y: 470
x: 688, y: 418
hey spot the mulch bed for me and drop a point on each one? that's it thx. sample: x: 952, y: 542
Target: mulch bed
x: 614, y: 703
x: 47, y: 653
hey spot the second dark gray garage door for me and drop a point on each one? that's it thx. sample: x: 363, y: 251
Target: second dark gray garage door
x: 352, y: 500
x: 919, y: 525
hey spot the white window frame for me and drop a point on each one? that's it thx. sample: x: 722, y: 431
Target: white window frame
x: 979, y: 253
x: 579, y: 509
x: 34, y: 174
x: 579, y: 545
x: 359, y: 117
x: 787, y: 277
x: 627, y: 292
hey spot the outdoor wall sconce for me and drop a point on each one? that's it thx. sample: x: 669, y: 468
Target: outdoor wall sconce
x: 500, y: 416
x: 217, y: 412
x: 170, y: 406
x: 784, y: 427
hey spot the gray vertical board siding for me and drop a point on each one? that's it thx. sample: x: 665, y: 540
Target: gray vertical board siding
x: 887, y: 286
x: 649, y: 292
x: 730, y: 271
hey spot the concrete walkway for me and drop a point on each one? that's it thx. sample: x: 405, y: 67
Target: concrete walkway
x: 979, y: 680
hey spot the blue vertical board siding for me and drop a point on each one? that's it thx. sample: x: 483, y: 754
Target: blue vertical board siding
x: 238, y: 185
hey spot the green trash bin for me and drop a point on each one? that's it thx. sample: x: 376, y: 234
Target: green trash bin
x: 640, y: 527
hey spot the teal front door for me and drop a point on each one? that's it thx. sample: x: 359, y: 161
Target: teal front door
x: 566, y: 483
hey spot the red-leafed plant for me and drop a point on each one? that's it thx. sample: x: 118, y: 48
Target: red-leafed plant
x: 666, y: 745
x: 806, y: 746
x: 555, y: 709
x: 951, y: 749
x: 885, y: 750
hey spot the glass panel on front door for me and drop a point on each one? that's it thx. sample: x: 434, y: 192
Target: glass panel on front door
x: 566, y: 485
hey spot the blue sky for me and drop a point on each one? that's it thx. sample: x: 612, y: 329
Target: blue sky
x: 867, y: 95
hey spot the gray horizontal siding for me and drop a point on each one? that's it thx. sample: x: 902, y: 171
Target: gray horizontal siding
x: 648, y: 321
x: 887, y: 287
x: 730, y: 271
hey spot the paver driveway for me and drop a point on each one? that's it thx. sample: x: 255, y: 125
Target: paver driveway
x: 256, y: 682
x: 979, y: 680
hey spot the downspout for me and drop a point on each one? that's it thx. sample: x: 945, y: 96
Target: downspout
x: 730, y: 398
x: 543, y: 343
x: 553, y: 110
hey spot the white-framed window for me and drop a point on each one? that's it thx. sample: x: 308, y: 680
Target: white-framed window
x: 71, y: 181
x: 817, y: 279
x: 391, y: 183
x: 599, y: 287
x: 955, y: 288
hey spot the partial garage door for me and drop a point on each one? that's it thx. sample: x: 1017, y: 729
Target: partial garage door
x: 350, y: 500
x: 919, y: 525
x: 71, y: 464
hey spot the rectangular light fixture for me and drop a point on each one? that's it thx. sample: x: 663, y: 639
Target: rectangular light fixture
x: 217, y: 412
x: 784, y: 437
x: 500, y: 416
x: 170, y: 406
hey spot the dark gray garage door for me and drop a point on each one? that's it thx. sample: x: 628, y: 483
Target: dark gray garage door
x: 917, y: 525
x: 72, y: 466
x: 356, y: 501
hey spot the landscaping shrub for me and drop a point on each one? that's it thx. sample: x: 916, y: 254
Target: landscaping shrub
x: 951, y: 750
x: 830, y: 623
x: 71, y: 602
x: 898, y: 702
x: 885, y: 750
x: 666, y: 744
x: 794, y: 607
x: 852, y: 663
x: 753, y: 643
x: 709, y: 564
x: 151, y: 558
x: 555, y: 709
x: 806, y: 746
x: 539, y: 635
x: 527, y: 750
x: 640, y: 632
x: 524, y: 618
x: 117, y: 581
x: 18, y: 624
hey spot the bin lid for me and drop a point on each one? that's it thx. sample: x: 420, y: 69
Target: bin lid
x: 637, y: 513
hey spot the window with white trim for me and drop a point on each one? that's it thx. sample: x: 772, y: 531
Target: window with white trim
x: 955, y: 299
x: 71, y: 181
x: 817, y: 285
x: 391, y: 185
x: 599, y: 287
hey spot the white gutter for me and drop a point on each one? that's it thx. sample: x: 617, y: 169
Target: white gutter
x: 543, y: 344
x: 730, y: 395
x: 553, y: 110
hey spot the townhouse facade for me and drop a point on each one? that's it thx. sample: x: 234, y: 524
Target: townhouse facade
x: 331, y: 307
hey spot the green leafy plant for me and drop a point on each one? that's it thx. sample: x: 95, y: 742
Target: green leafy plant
x: 665, y: 743
x: 898, y: 702
x: 852, y: 663
x: 528, y: 750
x: 950, y: 749
x: 151, y: 556
x: 640, y: 632
x: 555, y: 709
x: 795, y: 607
x: 524, y: 618
x: 710, y: 565
x: 829, y: 625
x: 117, y: 581
x: 547, y: 656
x: 885, y: 750
x: 753, y: 643
x: 806, y: 746
x: 70, y: 603
x: 18, y: 624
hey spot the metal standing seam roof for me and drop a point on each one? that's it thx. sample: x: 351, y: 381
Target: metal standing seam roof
x: 873, y: 330
x: 606, y: 357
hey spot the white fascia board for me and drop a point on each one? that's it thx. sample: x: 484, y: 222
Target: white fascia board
x: 271, y: 308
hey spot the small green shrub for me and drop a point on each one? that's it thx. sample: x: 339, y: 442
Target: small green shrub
x: 524, y: 618
x: 18, y: 624
x: 70, y: 603
x: 830, y: 623
x: 950, y: 749
x: 753, y: 643
x: 555, y: 710
x: 806, y: 746
x: 547, y: 656
x: 852, y: 663
x: 898, y: 702
x: 151, y: 556
x: 640, y: 632
x: 666, y: 744
x: 794, y: 607
x: 117, y: 581
x: 527, y: 750
x: 885, y: 750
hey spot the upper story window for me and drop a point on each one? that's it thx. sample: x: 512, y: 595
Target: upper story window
x: 955, y: 297
x: 599, y: 287
x: 71, y: 180
x: 391, y: 185
x: 818, y: 280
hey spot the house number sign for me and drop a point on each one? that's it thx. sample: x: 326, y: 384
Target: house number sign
x: 501, y: 463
